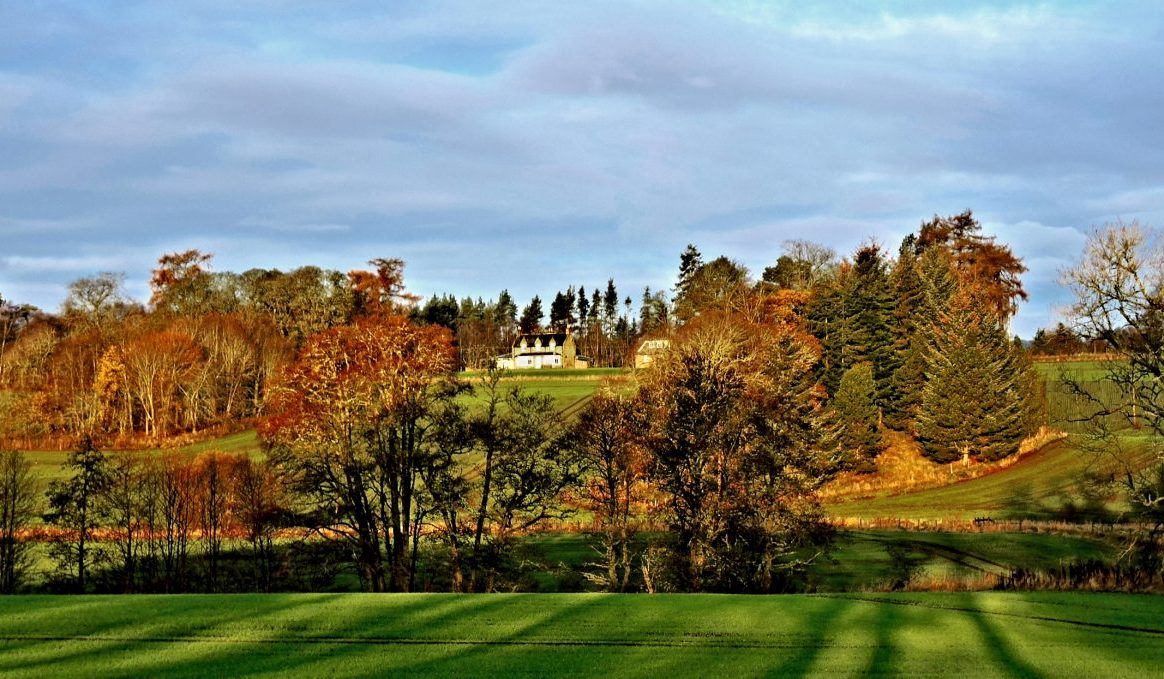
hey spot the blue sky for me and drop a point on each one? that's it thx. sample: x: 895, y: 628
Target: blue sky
x: 536, y: 145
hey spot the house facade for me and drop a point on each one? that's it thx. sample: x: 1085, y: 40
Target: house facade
x: 543, y: 350
x: 649, y: 350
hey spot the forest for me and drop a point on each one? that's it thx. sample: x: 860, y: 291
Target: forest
x: 392, y: 451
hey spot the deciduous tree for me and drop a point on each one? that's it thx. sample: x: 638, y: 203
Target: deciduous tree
x: 17, y: 510
x: 349, y: 427
x: 736, y: 445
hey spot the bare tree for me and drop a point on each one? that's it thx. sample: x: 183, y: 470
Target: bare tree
x: 1119, y: 299
x: 17, y: 509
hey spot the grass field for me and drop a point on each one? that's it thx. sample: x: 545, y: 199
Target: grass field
x: 46, y: 464
x: 1033, y: 486
x: 972, y: 634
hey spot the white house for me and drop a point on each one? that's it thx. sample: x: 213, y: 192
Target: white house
x: 543, y: 350
x: 650, y: 349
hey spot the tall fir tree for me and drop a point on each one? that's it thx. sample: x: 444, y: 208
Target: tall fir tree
x: 531, y: 316
x: 936, y: 287
x: 976, y: 402
x: 856, y: 414
x: 872, y: 305
x: 853, y: 319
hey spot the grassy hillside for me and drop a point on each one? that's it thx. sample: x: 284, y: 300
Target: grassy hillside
x: 983, y: 634
x: 46, y: 464
x: 1037, y: 485
x: 1034, y: 486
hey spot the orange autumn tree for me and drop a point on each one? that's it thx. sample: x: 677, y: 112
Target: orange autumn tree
x: 348, y: 426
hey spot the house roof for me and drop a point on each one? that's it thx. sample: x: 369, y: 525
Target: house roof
x: 653, y: 345
x: 558, y: 337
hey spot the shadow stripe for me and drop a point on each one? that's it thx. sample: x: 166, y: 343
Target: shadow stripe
x: 963, y: 609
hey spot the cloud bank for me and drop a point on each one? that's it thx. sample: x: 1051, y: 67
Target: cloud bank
x: 533, y: 146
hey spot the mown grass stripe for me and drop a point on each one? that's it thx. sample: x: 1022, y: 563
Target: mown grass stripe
x: 966, y: 609
x: 412, y: 641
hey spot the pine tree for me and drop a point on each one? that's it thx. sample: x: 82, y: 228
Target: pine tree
x: 856, y: 415
x: 976, y: 401
x: 871, y: 303
x: 506, y: 315
x: 531, y: 316
x: 690, y: 260
x: 853, y: 319
x: 560, y: 312
x: 610, y: 302
x: 583, y: 309
x: 830, y: 321
x: 936, y: 289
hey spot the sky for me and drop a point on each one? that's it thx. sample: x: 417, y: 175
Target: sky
x: 531, y: 146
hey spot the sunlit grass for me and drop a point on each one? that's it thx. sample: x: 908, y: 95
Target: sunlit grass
x: 973, y: 634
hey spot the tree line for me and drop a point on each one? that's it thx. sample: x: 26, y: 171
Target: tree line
x: 420, y: 479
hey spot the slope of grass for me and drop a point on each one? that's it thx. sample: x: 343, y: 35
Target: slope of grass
x: 1033, y: 486
x: 582, y: 635
x: 46, y: 464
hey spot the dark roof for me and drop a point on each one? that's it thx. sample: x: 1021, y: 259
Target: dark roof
x: 558, y: 337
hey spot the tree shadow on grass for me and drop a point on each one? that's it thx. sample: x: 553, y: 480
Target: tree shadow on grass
x: 994, y: 640
x: 151, y: 634
x: 368, y: 627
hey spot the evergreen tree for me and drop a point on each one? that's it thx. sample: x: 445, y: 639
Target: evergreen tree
x: 853, y: 319
x: 976, y: 402
x: 74, y: 505
x: 560, y: 313
x: 610, y: 302
x: 908, y: 345
x: 857, y: 415
x: 506, y: 311
x: 937, y: 286
x: 690, y: 260
x: 872, y: 306
x: 531, y: 316
x: 583, y: 308
x: 830, y: 321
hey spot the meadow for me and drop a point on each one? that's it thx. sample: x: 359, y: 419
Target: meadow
x: 349, y: 635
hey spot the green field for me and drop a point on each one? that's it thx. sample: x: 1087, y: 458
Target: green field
x: 1033, y: 487
x: 972, y: 634
x: 46, y: 464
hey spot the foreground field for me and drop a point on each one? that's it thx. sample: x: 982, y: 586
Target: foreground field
x: 583, y: 635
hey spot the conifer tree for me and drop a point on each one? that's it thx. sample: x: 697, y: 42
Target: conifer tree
x: 560, y: 312
x: 853, y: 319
x: 689, y: 262
x: 531, y: 316
x: 857, y: 416
x: 976, y: 402
x: 936, y: 287
x: 871, y: 303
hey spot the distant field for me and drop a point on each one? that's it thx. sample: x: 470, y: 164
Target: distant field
x: 570, y: 389
x: 46, y: 464
x: 349, y: 635
x: 1040, y: 482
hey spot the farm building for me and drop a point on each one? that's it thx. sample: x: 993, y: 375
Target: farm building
x: 649, y: 349
x: 543, y: 350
